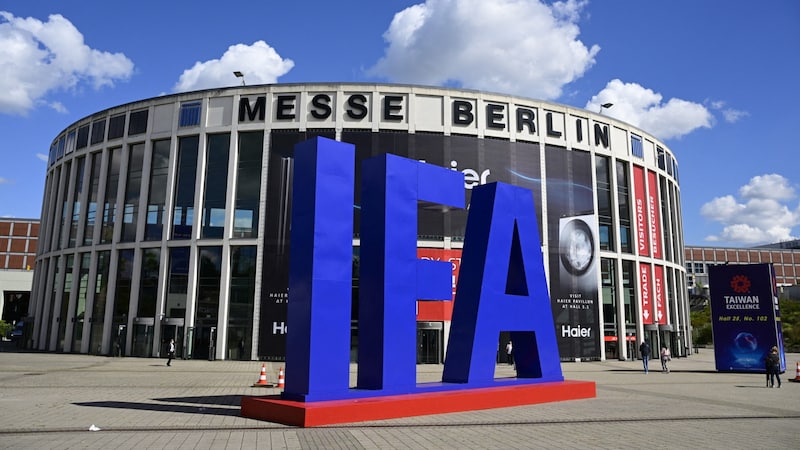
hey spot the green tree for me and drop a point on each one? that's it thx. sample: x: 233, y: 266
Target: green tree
x: 5, y: 328
x: 790, y: 324
x: 701, y: 326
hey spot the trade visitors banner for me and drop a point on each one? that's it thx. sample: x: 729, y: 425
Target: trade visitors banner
x: 654, y: 216
x: 660, y: 311
x: 640, y: 212
x: 646, y: 283
x: 744, y: 316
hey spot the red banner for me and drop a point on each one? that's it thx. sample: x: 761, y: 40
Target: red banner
x: 432, y: 311
x: 655, y: 214
x: 660, y: 311
x: 644, y: 282
x: 640, y: 212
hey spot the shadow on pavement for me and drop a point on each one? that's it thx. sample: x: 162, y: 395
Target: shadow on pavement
x: 659, y: 371
x: 224, y: 400
x: 232, y: 401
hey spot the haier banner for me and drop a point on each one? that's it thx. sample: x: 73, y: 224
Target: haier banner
x: 574, y: 257
x: 743, y: 316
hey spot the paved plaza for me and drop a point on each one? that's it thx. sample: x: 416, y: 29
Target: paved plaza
x: 52, y: 400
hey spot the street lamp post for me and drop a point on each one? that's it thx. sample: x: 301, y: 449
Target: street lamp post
x: 605, y: 106
x: 239, y: 75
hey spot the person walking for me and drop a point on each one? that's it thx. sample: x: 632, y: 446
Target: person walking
x: 171, y: 352
x: 773, y: 366
x: 509, y: 353
x: 644, y: 350
x: 665, y: 358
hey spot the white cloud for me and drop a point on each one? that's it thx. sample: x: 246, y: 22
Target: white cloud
x: 508, y: 46
x: 4, y: 180
x: 42, y: 57
x: 42, y: 157
x: 733, y: 115
x: 259, y: 63
x: 730, y: 115
x: 643, y: 108
x: 762, y: 216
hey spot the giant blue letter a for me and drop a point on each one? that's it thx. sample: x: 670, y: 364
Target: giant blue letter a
x: 501, y: 287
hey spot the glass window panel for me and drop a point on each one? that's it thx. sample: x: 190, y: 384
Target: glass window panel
x: 215, y: 186
x: 137, y: 123
x: 190, y: 114
x: 98, y: 131
x: 178, y: 281
x: 99, y: 303
x: 248, y: 185
x: 110, y: 198
x: 91, y: 206
x: 60, y: 145
x: 83, y: 137
x: 77, y: 193
x: 122, y: 300
x: 133, y: 188
x: 624, y: 208
x: 116, y: 127
x: 148, y: 283
x: 183, y: 217
x: 242, y: 294
x: 80, y: 302
x: 159, y: 171
x: 65, y: 175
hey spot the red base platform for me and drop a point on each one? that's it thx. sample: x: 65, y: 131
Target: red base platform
x: 311, y: 414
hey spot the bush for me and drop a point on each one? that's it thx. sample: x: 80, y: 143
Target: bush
x: 5, y: 329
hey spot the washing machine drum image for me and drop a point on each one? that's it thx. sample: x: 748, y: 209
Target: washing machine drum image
x: 576, y: 245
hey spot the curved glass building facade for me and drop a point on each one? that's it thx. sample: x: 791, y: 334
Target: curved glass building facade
x: 169, y: 217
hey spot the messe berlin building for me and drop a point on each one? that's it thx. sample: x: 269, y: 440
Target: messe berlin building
x: 169, y: 217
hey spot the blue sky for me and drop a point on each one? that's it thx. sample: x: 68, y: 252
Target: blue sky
x: 716, y: 80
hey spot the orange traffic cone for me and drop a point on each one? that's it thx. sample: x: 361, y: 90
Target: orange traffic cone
x: 262, y: 379
x: 281, y: 379
x: 797, y: 377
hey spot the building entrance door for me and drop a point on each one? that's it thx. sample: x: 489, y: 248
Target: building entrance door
x: 142, y: 344
x: 204, y: 343
x: 429, y: 342
x: 175, y: 331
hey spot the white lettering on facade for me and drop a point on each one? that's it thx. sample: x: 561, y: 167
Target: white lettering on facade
x: 569, y: 331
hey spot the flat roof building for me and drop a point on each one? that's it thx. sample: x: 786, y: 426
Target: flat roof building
x: 18, y: 247
x: 169, y: 217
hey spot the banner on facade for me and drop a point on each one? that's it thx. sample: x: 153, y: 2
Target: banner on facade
x: 574, y: 255
x: 744, y: 316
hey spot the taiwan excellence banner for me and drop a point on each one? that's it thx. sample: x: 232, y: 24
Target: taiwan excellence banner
x: 744, y: 316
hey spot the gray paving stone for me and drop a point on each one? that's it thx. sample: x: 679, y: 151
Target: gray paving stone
x: 50, y: 401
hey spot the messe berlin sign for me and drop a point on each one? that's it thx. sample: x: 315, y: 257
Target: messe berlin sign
x: 502, y: 287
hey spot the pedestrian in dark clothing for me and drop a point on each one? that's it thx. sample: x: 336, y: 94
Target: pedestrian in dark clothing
x: 644, y: 350
x: 171, y: 351
x: 773, y: 365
